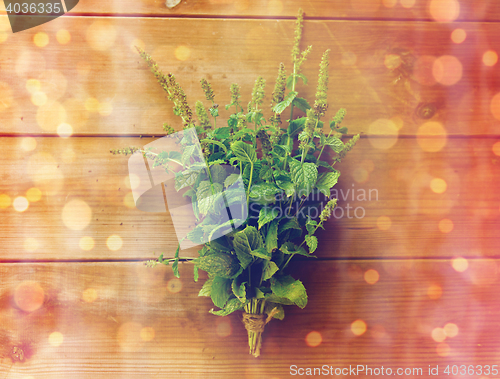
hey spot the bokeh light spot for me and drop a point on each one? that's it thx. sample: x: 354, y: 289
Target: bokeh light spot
x: 458, y: 35
x: 147, y: 333
x: 92, y: 104
x: 105, y: 108
x: 28, y: 143
x: 459, y: 264
x: 438, y: 335
x: 438, y: 185
x: 407, y: 3
x: 451, y: 330
x: 224, y: 328
x: 383, y: 133
x: 132, y: 181
x: 445, y: 225
x: 33, y: 85
x: 444, y: 10
x: 275, y: 7
x: 86, y: 243
x: 114, y: 242
x: 63, y: 37
x: 30, y: 244
x: 174, y: 285
x: 76, y: 214
x: 5, y: 201
x: 41, y: 39
x: 20, y: 203
x: 50, y: 115
x: 431, y: 136
x: 447, y: 70
x: 56, y: 339
x: 29, y: 296
x: 384, y: 223
x: 6, y: 98
x: 129, y: 337
x: 182, y: 52
x: 314, y: 339
x: 434, y: 291
x: 371, y: 276
x: 39, y: 98
x: 422, y: 70
x: 443, y: 350
x: 490, y: 58
x: 89, y: 295
x: 389, y: 3
x: 358, y: 327
x: 101, y: 35
x: 64, y: 130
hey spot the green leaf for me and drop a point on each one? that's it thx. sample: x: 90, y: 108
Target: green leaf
x: 262, y: 253
x: 301, y: 103
x: 311, y: 226
x: 243, y: 151
x: 220, y: 264
x: 270, y: 306
x: 281, y: 106
x: 304, y: 176
x: 205, y: 196
x: 231, y: 179
x: 196, y: 274
x: 325, y: 165
x: 206, y: 289
x: 239, y: 290
x: 278, y: 300
x: 327, y: 181
x: 265, y: 172
x: 335, y: 143
x: 288, y: 287
x: 218, y: 173
x: 267, y: 214
x: 226, y: 225
x: 222, y: 133
x: 342, y: 130
x: 231, y: 306
x: 175, y: 265
x: 270, y: 269
x: 264, y: 193
x: 220, y: 291
x: 214, y: 142
x: 290, y: 224
x: 272, y: 236
x: 286, y: 186
x: 296, y: 126
x: 259, y: 294
x: 244, y: 243
x: 291, y: 248
x: 187, y: 154
x: 187, y: 177
x: 312, y: 243
x: 303, y: 77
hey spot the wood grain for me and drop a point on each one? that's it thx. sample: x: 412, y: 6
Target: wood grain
x: 100, y: 310
x: 354, y: 9
x: 386, y: 205
x: 110, y: 90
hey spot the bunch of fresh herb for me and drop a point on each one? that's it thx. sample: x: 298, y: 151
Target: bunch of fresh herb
x: 287, y: 180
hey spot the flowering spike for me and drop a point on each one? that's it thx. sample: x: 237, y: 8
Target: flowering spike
x: 321, y: 105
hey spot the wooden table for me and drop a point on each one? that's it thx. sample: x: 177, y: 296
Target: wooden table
x: 408, y: 279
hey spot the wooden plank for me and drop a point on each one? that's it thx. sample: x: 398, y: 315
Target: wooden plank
x: 394, y: 212
x: 91, y: 316
x: 355, y: 9
x: 110, y: 91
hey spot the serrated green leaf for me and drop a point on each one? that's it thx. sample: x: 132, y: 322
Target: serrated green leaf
x: 272, y: 236
x: 231, y: 306
x: 291, y: 248
x: 215, y: 142
x: 271, y: 297
x: 287, y: 186
x: 327, y: 181
x: 304, y: 176
x: 222, y: 133
x: 267, y: 214
x: 281, y: 106
x: 264, y: 193
x: 335, y: 143
x: 218, y: 173
x: 270, y: 268
x: 220, y: 264
x: 312, y: 243
x: 270, y: 307
x: 207, y: 288
x: 301, y: 103
x: 239, y: 290
x: 296, y: 126
x: 205, y: 196
x: 290, y: 224
x: 265, y: 172
x: 244, y: 242
x: 221, y: 291
x: 343, y: 130
x: 262, y: 253
x: 243, y: 151
x: 288, y: 287
x: 187, y: 154
x: 186, y: 178
x: 311, y: 226
x: 325, y: 165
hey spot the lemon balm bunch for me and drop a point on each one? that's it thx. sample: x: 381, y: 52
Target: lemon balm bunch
x: 286, y: 168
